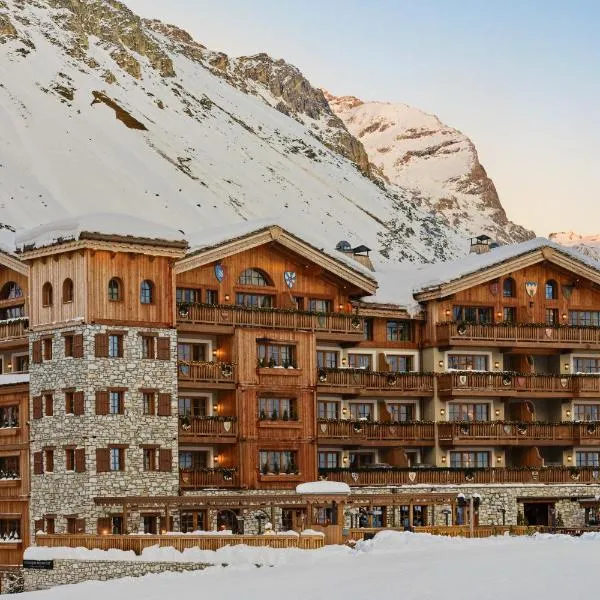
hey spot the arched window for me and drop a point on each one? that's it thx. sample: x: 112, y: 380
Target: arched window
x: 115, y: 290
x: 254, y: 277
x: 508, y: 288
x: 551, y: 290
x: 47, y: 294
x: 10, y: 290
x: 67, y: 290
x: 147, y: 292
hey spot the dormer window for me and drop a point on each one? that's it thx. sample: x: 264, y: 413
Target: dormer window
x: 11, y: 291
x: 551, y: 290
x: 147, y: 292
x: 47, y: 294
x: 254, y: 277
x: 115, y: 287
x: 67, y: 295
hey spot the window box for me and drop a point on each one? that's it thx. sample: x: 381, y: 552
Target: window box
x: 279, y: 371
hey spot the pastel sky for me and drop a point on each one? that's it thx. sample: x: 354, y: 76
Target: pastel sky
x: 520, y: 77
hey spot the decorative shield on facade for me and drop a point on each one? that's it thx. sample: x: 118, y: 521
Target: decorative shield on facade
x: 534, y: 475
x: 219, y: 272
x: 354, y: 476
x: 549, y: 332
x: 595, y: 474
x: 567, y: 290
x: 531, y: 288
x: 494, y: 288
x: 507, y: 429
x: 412, y: 476
x: 462, y: 379
x: 564, y: 382
x: 323, y: 427
x: 290, y: 278
x: 227, y: 426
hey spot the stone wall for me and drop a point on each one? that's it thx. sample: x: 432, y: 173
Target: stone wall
x: 69, y: 571
x: 70, y: 493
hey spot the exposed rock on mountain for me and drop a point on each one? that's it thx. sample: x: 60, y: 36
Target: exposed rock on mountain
x: 589, y: 245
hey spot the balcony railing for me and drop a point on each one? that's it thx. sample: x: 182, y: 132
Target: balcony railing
x: 460, y: 382
x: 269, y: 318
x: 419, y: 383
x: 13, y: 328
x: 449, y: 476
x: 206, y: 372
x: 217, y: 427
x: 367, y: 430
x: 503, y: 334
x: 191, y: 479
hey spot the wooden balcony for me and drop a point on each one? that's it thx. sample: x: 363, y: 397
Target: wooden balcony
x: 194, y: 479
x: 517, y: 335
x: 518, y: 434
x: 209, y: 429
x: 367, y: 433
x: 13, y: 331
x: 223, y: 318
x: 361, y: 382
x: 206, y: 374
x: 448, y: 476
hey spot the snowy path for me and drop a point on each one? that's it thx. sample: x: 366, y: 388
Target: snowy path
x: 398, y: 566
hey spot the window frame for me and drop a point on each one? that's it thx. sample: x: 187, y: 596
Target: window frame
x: 551, y: 290
x: 286, y: 353
x: 398, y: 330
x: 119, y: 289
x: 147, y: 292
x: 254, y: 277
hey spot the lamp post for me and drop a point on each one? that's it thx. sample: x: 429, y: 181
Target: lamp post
x: 503, y: 511
x: 473, y: 501
x: 446, y: 512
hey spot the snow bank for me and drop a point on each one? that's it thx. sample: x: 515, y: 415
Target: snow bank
x: 12, y: 378
x: 323, y: 487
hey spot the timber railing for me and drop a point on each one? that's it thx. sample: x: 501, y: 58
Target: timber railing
x: 269, y: 318
x: 218, y: 427
x: 358, y: 533
x: 206, y: 372
x: 137, y: 543
x: 503, y: 383
x: 419, y: 383
x: 13, y: 328
x: 374, y: 430
x: 208, y: 478
x: 450, y: 333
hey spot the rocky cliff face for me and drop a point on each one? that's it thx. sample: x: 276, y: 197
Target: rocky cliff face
x: 589, y: 245
x: 438, y: 164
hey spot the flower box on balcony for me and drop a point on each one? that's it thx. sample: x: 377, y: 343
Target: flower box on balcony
x: 279, y: 371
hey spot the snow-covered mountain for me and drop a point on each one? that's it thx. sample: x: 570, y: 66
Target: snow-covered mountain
x: 589, y: 245
x: 103, y: 111
x: 438, y: 165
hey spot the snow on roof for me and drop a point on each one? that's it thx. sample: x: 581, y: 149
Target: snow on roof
x: 323, y: 487
x: 12, y: 378
x: 99, y: 223
x: 397, y: 285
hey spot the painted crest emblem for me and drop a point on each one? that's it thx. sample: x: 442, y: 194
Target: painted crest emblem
x: 354, y: 476
x: 494, y: 288
x: 323, y: 427
x: 462, y: 379
x: 219, y: 272
x: 549, y: 332
x: 534, y: 475
x: 567, y: 290
x: 412, y: 476
x: 563, y: 382
x: 227, y: 425
x: 290, y: 278
x: 531, y: 288
x: 595, y: 474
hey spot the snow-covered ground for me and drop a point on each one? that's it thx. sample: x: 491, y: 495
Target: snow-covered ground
x: 395, y: 565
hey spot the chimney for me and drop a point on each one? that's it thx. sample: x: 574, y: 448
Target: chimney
x: 480, y: 244
x: 360, y: 254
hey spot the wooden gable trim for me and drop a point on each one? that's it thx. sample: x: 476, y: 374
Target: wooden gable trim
x: 514, y: 264
x: 13, y: 263
x: 276, y: 233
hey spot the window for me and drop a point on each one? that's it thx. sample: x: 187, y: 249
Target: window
x: 10, y: 529
x: 21, y: 363
x: 319, y: 305
x: 278, y: 461
x: 9, y: 416
x: 50, y: 525
x: 361, y: 411
x: 47, y: 294
x: 188, y: 296
x: 192, y: 521
x: 9, y: 467
x: 398, y: 331
x: 584, y: 318
x: 473, y: 314
x: 328, y: 409
x: 67, y: 291
x: 149, y: 459
x: 552, y: 316
x: 361, y: 459
x: 586, y: 412
x: 12, y: 312
x: 368, y: 330
x: 193, y: 459
x: 298, y: 302
x: 49, y: 405
x: 398, y: 363
x: 587, y: 459
x: 69, y: 343
x: 69, y: 402
x: 192, y: 407
x: 586, y: 365
x: 117, y: 459
x: 254, y: 277
x: 275, y: 355
x: 255, y: 300
x: 147, y: 292
x: 115, y: 290
x: 469, y: 411
x: 115, y: 345
x: 148, y: 403
x: 551, y: 290
x: 70, y: 459
x: 360, y: 361
x: 468, y: 362
x: 508, y: 288
x: 473, y: 460
x: 328, y: 460
x: 11, y: 291
x: 402, y: 413
x: 150, y: 526
x: 47, y: 349
x: 188, y: 352
x: 115, y: 403
x: 509, y: 314
x: 148, y: 346
x: 276, y: 409
x: 49, y: 457
x: 327, y: 359
x: 212, y: 297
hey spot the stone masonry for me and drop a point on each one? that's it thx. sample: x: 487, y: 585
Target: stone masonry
x: 63, y: 492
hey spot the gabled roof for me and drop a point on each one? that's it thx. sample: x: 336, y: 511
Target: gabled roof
x: 214, y: 244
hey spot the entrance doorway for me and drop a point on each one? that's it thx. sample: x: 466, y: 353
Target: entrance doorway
x: 538, y: 513
x: 228, y: 520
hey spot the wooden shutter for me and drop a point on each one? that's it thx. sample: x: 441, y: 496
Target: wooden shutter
x: 49, y: 402
x: 163, y: 348
x: 38, y: 463
x: 102, y: 460
x: 102, y: 403
x: 163, y: 524
x: 104, y: 525
x: 101, y: 345
x: 48, y: 349
x: 164, y: 405
x: 78, y: 403
x: 78, y: 346
x: 50, y: 461
x: 79, y: 525
x: 165, y: 458
x: 37, y: 407
x: 80, y: 460
x: 36, y: 351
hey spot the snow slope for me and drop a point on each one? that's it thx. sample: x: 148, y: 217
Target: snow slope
x: 393, y: 565
x: 589, y: 245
